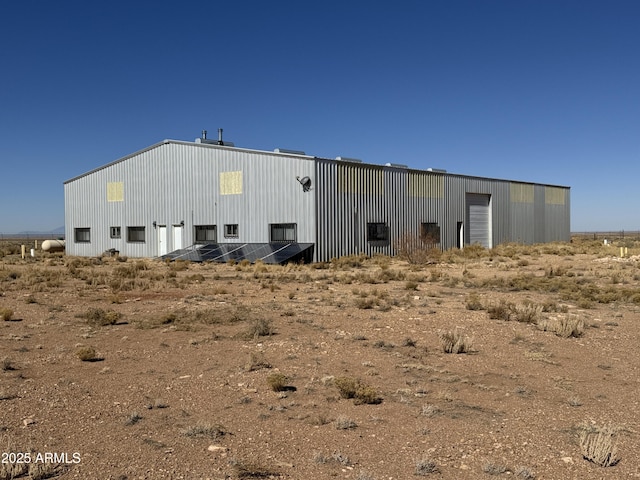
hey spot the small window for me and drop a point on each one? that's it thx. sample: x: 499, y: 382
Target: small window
x: 231, y: 230
x: 114, y: 232
x: 205, y: 233
x: 283, y: 232
x: 135, y: 234
x: 82, y: 235
x: 430, y: 233
x: 377, y: 232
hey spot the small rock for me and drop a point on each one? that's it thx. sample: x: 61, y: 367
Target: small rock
x: 567, y: 459
x: 216, y: 448
x: 28, y: 421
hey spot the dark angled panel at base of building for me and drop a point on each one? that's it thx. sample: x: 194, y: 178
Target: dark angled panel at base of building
x: 276, y: 253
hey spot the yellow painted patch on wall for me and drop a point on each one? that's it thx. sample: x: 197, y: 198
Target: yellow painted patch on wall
x: 368, y: 181
x: 554, y: 196
x: 426, y: 185
x: 522, y: 192
x: 115, y: 191
x: 231, y: 183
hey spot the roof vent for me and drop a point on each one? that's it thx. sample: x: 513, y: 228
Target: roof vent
x: 436, y: 170
x: 293, y: 152
x: 205, y: 140
x: 347, y: 159
x: 396, y: 165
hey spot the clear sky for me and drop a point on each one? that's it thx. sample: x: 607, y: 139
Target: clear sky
x: 544, y: 91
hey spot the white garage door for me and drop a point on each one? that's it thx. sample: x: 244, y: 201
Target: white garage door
x: 479, y: 219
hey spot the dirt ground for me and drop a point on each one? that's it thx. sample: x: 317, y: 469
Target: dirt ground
x: 137, y: 369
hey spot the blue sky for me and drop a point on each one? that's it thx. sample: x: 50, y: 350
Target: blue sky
x: 542, y: 91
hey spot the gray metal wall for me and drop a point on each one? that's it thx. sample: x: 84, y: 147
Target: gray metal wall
x: 198, y: 184
x: 351, y: 195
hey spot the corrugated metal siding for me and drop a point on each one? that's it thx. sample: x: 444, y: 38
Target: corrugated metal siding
x: 180, y: 182
x: 174, y: 182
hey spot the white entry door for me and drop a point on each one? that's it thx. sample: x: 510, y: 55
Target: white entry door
x: 162, y: 240
x: 177, y: 237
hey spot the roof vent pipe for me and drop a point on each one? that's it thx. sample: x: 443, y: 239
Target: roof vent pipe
x: 204, y: 134
x: 220, y: 142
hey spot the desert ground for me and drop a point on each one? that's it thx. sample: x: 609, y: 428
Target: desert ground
x: 516, y: 362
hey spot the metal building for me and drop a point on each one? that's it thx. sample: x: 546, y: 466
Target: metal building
x: 182, y: 195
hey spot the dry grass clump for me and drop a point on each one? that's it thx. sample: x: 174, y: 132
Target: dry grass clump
x: 524, y: 473
x: 528, y: 312
x: 425, y: 466
x: 598, y: 445
x: 493, y: 469
x: 98, y: 317
x: 473, y: 302
x: 260, y: 327
x: 417, y: 250
x: 6, y: 314
x: 349, y: 261
x: 454, y: 342
x: 278, y: 382
x: 564, y: 327
x: 7, y: 365
x: 344, y: 423
x: 256, y: 362
x: 204, y: 430
x: 247, y: 470
x: 87, y: 354
x: 133, y: 418
x: 360, y: 392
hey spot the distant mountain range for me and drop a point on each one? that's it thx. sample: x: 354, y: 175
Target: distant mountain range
x: 56, y: 232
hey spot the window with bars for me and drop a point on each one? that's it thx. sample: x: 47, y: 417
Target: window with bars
x: 115, y: 232
x: 377, y: 232
x: 82, y: 235
x: 205, y: 233
x: 282, y: 232
x: 136, y: 234
x: 231, y: 230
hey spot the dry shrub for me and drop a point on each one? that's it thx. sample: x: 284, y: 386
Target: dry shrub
x: 416, y: 249
x: 344, y: 423
x: 526, y: 313
x: 565, y: 327
x: 248, y: 469
x: 277, y: 382
x: 474, y: 302
x: 256, y: 362
x: 454, y: 342
x: 205, y: 430
x: 360, y: 392
x: 87, y: 354
x: 346, y: 386
x: 6, y: 364
x: 349, y: 261
x: 99, y: 317
x: 260, y: 327
x: 425, y: 466
x: 598, y: 445
x: 6, y: 314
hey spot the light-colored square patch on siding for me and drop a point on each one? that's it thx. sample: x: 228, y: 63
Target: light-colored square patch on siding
x: 115, y: 191
x: 426, y: 185
x: 357, y: 179
x: 231, y: 183
x: 522, y: 193
x: 554, y: 196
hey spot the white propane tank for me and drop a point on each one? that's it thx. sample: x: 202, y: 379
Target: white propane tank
x: 53, y: 245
